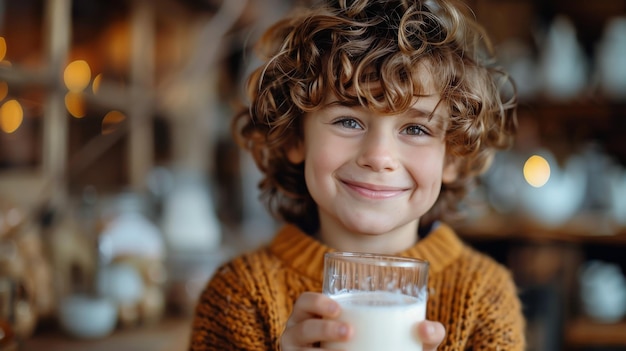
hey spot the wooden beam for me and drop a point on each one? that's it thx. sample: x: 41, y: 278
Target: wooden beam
x: 55, y: 122
x: 141, y: 153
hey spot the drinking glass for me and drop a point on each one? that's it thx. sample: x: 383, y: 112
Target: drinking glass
x: 383, y: 298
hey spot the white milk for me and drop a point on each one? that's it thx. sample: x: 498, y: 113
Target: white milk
x: 381, y: 321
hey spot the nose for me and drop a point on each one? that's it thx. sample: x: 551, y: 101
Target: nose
x: 378, y: 152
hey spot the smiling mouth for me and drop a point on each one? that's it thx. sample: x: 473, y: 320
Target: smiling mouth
x: 374, y: 191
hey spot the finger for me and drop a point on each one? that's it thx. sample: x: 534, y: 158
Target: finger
x: 431, y: 333
x: 313, y: 305
x: 316, y: 330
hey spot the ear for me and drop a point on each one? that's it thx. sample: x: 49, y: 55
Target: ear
x: 450, y: 170
x: 295, y: 154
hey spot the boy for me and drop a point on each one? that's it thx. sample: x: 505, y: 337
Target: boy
x: 370, y: 119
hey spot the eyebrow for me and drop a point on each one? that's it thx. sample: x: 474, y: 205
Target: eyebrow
x: 437, y: 118
x: 337, y: 103
x: 422, y: 113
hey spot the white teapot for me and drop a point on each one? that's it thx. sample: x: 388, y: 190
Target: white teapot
x: 603, y: 291
x: 562, y: 196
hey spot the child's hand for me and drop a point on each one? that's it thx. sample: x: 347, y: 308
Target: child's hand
x: 431, y: 333
x: 310, y: 323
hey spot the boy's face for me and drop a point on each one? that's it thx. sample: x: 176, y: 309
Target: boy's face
x: 373, y: 174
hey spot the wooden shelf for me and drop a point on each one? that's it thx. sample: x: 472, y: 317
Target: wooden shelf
x: 583, y: 332
x: 586, y: 109
x: 584, y: 228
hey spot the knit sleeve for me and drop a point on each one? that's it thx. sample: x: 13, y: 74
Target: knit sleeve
x: 226, y: 316
x: 500, y: 323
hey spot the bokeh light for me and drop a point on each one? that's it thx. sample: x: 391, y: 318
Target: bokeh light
x: 75, y: 104
x: 4, y: 90
x: 111, y: 121
x: 95, y: 86
x: 536, y: 171
x: 11, y: 116
x: 77, y: 75
x: 3, y: 48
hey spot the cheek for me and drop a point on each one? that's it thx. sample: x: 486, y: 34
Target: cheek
x: 427, y: 171
x: 327, y: 154
x: 318, y: 177
x: 322, y: 162
x: 320, y: 165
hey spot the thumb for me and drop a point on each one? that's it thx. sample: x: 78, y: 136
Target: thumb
x: 431, y: 333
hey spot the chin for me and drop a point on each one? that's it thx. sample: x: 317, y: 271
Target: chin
x: 369, y: 229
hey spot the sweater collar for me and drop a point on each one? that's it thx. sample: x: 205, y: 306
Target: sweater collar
x: 306, y: 255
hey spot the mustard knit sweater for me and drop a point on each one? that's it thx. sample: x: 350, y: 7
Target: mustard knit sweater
x: 247, y: 302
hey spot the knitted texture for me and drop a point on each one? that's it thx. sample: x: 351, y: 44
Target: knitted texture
x: 247, y: 302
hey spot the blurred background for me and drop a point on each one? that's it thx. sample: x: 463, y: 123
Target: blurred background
x: 121, y: 190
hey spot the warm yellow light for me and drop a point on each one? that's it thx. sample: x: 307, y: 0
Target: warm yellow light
x: 75, y: 104
x: 3, y: 48
x: 111, y: 120
x: 11, y: 116
x: 4, y: 90
x: 95, y: 86
x: 536, y: 171
x: 77, y: 75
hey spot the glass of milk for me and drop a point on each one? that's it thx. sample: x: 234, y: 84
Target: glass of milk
x: 382, y: 297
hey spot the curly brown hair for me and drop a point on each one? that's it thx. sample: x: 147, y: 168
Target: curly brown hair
x: 340, y: 48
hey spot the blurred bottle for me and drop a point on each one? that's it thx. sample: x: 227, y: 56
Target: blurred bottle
x: 610, y: 53
x: 189, y: 221
x: 563, y: 64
